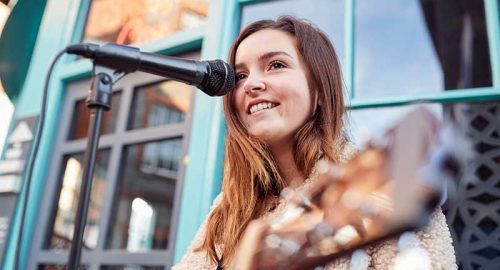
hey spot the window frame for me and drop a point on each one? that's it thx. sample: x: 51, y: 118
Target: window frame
x: 470, y: 95
x: 70, y: 72
x: 203, y: 175
x: 115, y: 142
x: 458, y: 95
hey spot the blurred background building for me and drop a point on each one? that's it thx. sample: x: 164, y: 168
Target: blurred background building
x: 161, y: 150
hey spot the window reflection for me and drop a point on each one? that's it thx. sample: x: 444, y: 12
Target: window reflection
x: 59, y: 267
x: 139, y: 21
x: 420, y: 46
x: 160, y: 104
x: 145, y: 198
x: 81, y: 118
x: 363, y: 125
x: 458, y: 32
x: 142, y: 220
x: 328, y: 15
x: 62, y: 232
x: 131, y: 267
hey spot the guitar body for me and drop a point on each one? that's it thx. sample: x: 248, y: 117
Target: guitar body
x: 390, y: 186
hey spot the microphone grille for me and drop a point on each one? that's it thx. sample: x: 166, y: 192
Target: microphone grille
x: 220, y: 79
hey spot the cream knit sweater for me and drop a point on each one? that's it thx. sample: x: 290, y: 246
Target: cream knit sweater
x: 435, y: 239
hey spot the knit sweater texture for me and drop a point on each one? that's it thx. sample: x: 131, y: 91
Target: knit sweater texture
x: 434, y: 239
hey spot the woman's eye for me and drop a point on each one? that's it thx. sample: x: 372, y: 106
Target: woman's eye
x: 276, y: 64
x: 240, y: 76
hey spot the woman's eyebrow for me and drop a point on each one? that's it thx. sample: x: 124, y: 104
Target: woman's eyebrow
x: 268, y: 55
x: 265, y: 57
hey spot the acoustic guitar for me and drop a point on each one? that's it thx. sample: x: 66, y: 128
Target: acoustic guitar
x: 390, y: 186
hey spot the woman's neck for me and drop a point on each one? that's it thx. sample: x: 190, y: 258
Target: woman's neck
x: 286, y: 164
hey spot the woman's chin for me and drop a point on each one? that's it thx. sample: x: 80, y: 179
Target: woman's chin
x: 270, y: 138
x: 265, y: 136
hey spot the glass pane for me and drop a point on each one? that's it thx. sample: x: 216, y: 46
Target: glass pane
x: 371, y: 123
x: 415, y: 47
x: 59, y: 267
x: 131, y: 267
x: 62, y: 232
x: 139, y: 21
x: 328, y: 15
x: 473, y: 205
x: 146, y: 191
x: 160, y: 104
x: 81, y: 118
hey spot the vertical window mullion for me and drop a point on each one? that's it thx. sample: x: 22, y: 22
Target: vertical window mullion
x: 107, y: 204
x: 349, y: 46
x: 81, y: 20
x: 493, y: 28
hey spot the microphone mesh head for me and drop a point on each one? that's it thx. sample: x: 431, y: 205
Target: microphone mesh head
x: 220, y: 79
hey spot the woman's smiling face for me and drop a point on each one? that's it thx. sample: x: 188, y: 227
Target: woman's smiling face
x: 272, y: 96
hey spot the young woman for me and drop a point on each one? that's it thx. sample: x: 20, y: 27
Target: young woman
x: 284, y: 115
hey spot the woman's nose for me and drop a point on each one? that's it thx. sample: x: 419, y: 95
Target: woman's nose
x: 254, y: 83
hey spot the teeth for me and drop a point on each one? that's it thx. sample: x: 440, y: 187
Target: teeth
x: 261, y: 106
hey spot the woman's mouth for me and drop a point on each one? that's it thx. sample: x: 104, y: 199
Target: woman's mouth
x: 262, y: 106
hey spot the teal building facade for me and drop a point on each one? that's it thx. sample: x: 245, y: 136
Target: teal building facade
x: 160, y: 157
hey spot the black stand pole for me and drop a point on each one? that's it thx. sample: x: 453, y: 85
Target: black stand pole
x: 99, y: 99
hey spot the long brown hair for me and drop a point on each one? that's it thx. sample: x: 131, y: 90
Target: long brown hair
x: 252, y: 179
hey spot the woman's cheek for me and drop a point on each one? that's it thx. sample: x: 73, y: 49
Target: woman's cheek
x: 238, y: 101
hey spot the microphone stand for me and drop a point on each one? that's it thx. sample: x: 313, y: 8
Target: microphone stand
x: 99, y: 99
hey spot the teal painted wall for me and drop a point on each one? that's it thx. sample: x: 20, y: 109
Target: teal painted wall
x: 62, y: 24
x: 55, y: 32
x: 206, y: 145
x: 17, y: 42
x: 62, y: 21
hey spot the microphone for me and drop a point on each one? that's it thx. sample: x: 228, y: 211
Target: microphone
x: 215, y: 78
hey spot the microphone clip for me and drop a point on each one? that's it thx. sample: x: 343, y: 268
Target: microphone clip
x: 101, y: 89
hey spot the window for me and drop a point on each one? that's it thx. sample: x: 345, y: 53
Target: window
x: 139, y: 21
x: 143, y: 206
x: 329, y: 18
x: 159, y: 104
x: 137, y: 180
x: 81, y: 113
x: 59, y: 267
x: 415, y: 47
x: 439, y: 53
x: 64, y: 221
